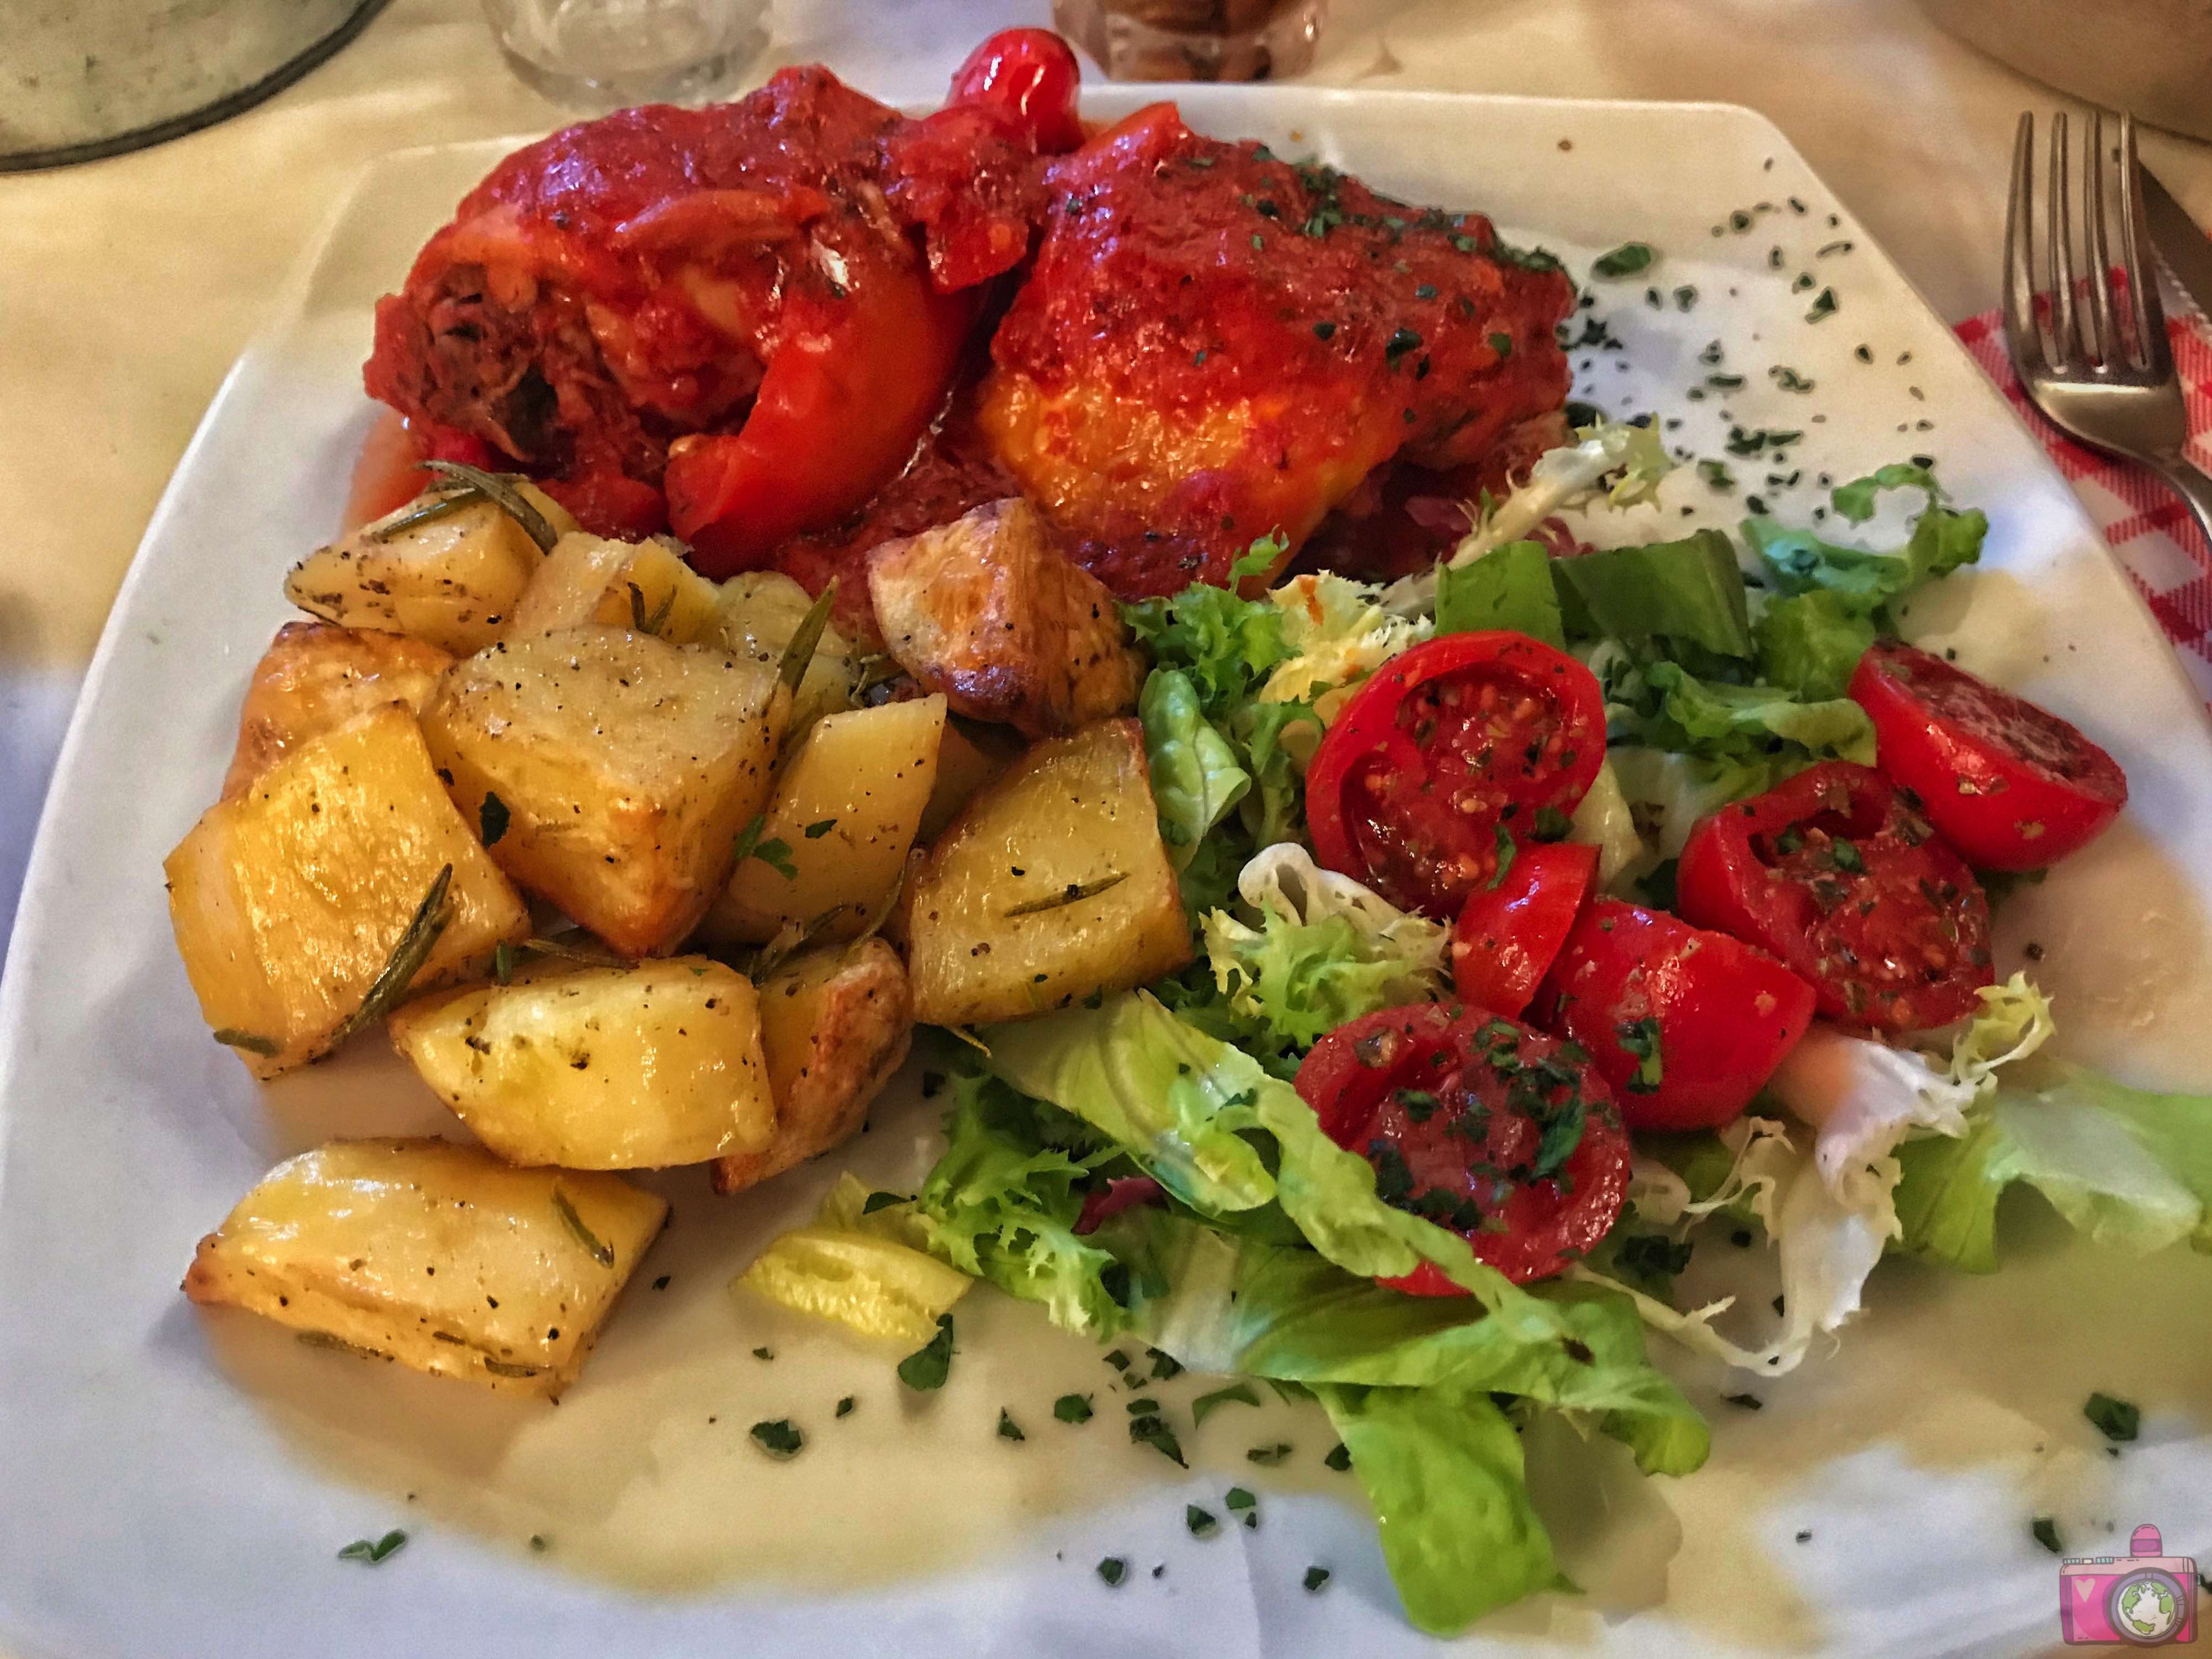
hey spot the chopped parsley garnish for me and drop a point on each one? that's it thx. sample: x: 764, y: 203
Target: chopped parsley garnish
x: 1750, y: 1402
x: 1652, y: 1255
x: 2046, y: 1533
x: 927, y: 1366
x: 815, y: 831
x: 1716, y: 475
x: 1118, y: 1360
x: 1324, y: 331
x: 2116, y: 1420
x: 1154, y: 1431
x: 1626, y: 260
x: 1114, y: 1570
x: 1640, y: 1038
x: 880, y: 1200
x: 1201, y: 1522
x: 1824, y: 305
x: 1165, y: 1366
x: 1206, y: 1404
x: 1340, y: 1457
x: 1551, y: 825
x: 1314, y: 1578
x: 373, y: 1554
x: 1072, y: 1408
x: 492, y: 819
x: 779, y: 1439
x: 845, y: 1405
x: 764, y: 1353
x: 1403, y: 341
x: 1008, y: 1429
x: 1269, y: 1456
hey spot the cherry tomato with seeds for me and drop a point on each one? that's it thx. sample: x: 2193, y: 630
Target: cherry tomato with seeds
x: 1685, y: 1025
x: 1853, y: 892
x: 2011, y: 786
x: 1031, y: 74
x: 1455, y: 750
x: 1506, y: 1136
x: 1507, y: 934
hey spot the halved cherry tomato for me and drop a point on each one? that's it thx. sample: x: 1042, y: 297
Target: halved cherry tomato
x: 1506, y: 1136
x: 2010, y: 785
x: 1685, y: 1025
x: 1455, y: 748
x: 1852, y: 891
x: 852, y: 385
x: 1506, y: 935
x: 1032, y: 75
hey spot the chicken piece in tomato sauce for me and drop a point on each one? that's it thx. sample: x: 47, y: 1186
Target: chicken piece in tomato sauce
x: 658, y: 314
x: 1215, y: 345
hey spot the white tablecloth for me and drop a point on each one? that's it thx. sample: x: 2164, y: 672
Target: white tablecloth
x: 130, y: 285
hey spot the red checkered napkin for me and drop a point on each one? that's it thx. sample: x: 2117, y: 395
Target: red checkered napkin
x: 2157, y: 542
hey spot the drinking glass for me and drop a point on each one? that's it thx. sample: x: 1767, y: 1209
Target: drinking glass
x: 602, y: 54
x: 1195, y: 40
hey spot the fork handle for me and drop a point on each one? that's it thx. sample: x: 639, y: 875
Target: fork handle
x: 2191, y: 484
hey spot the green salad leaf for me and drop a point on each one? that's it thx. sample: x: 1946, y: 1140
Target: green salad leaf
x: 1750, y: 723
x: 1809, y: 643
x: 1866, y: 580
x: 1510, y: 587
x: 1002, y: 1202
x: 1196, y: 780
x: 1691, y: 589
x: 1443, y: 1469
x: 1324, y: 950
x: 2131, y: 1168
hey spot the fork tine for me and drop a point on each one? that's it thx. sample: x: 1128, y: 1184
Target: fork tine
x: 2109, y: 347
x: 2023, y: 336
x: 2059, y: 245
x: 2143, y: 277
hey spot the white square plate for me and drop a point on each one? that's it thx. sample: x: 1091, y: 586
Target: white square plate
x: 176, y: 1483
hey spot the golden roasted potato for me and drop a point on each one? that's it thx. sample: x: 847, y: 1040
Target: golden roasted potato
x: 836, y: 1024
x: 289, y: 899
x: 761, y: 611
x: 624, y: 768
x: 1051, y: 885
x: 969, y: 757
x: 451, y: 580
x: 436, y: 1256
x: 589, y: 579
x: 987, y: 610
x: 600, y: 1068
x: 842, y: 817
x: 313, y: 679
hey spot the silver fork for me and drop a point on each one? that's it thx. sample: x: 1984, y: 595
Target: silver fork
x: 2114, y: 388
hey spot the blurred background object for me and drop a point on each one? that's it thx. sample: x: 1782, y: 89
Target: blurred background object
x: 2150, y: 58
x: 1195, y: 40
x: 81, y: 79
x: 602, y: 54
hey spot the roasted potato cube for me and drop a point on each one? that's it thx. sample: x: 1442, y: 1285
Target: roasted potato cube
x: 289, y: 899
x: 439, y: 1256
x: 313, y: 679
x: 624, y: 768
x: 842, y: 817
x: 761, y: 611
x: 600, y: 1068
x: 987, y: 610
x: 836, y: 1024
x: 1051, y: 885
x: 451, y: 580
x: 590, y: 578
x: 969, y: 757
